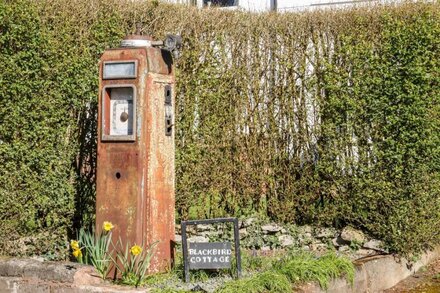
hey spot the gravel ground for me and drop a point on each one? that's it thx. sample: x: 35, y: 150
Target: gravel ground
x: 209, y: 285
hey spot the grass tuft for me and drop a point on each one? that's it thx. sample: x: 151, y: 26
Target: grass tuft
x: 304, y: 267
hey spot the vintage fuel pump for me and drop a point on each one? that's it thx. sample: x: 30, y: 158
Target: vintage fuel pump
x: 135, y: 164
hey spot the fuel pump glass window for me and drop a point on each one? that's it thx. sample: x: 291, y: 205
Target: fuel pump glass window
x: 121, y: 111
x: 118, y: 121
x: 114, y: 70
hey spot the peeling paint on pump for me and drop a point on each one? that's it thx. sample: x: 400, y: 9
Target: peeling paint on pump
x: 135, y: 173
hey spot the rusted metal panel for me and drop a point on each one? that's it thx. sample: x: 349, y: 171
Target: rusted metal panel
x: 160, y: 61
x: 135, y: 180
x: 161, y: 172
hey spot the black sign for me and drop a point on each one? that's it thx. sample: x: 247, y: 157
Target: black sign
x: 210, y: 255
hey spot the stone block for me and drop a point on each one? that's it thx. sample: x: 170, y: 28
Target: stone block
x: 286, y: 240
x: 271, y: 228
x: 375, y: 245
x: 325, y: 233
x: 350, y: 234
x: 198, y: 239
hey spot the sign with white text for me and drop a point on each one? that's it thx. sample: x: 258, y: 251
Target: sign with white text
x: 209, y: 255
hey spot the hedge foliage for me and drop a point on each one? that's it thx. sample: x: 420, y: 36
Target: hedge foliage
x: 328, y: 117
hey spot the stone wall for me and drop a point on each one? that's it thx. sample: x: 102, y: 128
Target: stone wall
x: 259, y: 235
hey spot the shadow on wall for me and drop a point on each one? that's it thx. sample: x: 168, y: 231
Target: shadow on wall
x: 85, y: 169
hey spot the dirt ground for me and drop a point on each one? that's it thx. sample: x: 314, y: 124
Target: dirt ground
x: 426, y: 280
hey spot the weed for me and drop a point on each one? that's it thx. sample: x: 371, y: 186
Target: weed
x: 423, y: 269
x: 355, y: 245
x: 253, y: 262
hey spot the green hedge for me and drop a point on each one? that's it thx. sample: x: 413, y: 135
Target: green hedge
x: 319, y: 117
x: 48, y: 82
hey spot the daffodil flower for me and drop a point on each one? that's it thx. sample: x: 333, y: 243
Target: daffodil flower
x: 135, y: 250
x: 107, y: 226
x: 77, y: 253
x: 74, y: 244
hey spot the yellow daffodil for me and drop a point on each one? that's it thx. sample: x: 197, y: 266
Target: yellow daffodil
x: 74, y: 244
x: 77, y: 253
x: 107, y: 226
x: 135, y: 250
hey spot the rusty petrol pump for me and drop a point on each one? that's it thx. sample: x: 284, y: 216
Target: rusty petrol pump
x: 135, y: 164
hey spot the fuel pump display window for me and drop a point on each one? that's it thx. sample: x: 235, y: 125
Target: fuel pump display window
x: 118, y: 69
x: 119, y: 115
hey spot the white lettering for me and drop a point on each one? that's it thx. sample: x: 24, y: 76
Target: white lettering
x: 205, y: 254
